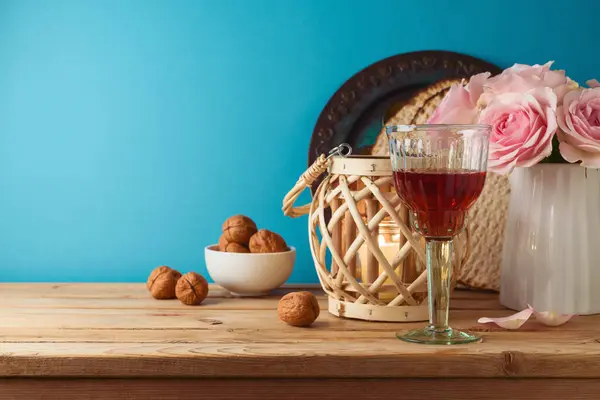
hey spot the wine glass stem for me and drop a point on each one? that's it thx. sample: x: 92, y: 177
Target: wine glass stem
x: 439, y: 277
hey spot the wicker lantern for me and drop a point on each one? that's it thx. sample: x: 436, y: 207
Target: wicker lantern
x: 368, y: 260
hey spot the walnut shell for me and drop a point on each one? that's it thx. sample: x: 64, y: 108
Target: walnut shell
x: 162, y: 281
x: 239, y: 229
x: 298, y: 308
x: 265, y: 241
x: 232, y: 247
x: 192, y: 289
x: 223, y: 243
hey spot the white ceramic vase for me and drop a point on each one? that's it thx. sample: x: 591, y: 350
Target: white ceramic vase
x: 551, y: 252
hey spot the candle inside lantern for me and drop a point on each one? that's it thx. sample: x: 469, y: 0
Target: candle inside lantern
x: 389, y: 240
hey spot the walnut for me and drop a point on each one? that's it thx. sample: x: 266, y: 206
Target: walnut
x: 223, y: 243
x: 298, y: 308
x: 162, y: 282
x: 192, y: 289
x: 265, y: 241
x: 232, y: 247
x: 239, y: 229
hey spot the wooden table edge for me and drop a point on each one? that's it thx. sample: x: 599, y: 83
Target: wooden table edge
x: 277, y: 389
x: 414, y: 366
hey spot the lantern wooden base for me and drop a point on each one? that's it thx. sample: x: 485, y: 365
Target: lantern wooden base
x: 371, y: 312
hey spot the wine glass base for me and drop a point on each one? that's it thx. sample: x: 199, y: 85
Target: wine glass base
x: 430, y: 336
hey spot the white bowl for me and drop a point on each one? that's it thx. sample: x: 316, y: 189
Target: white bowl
x: 249, y: 274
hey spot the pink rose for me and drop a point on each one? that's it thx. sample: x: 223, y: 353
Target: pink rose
x: 521, y: 78
x: 579, y: 120
x: 523, y: 125
x: 455, y: 108
x: 476, y: 86
x: 459, y: 106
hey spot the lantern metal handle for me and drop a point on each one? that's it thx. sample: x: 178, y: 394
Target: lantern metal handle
x: 309, y: 177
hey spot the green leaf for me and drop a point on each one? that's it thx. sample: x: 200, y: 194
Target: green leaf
x: 554, y: 157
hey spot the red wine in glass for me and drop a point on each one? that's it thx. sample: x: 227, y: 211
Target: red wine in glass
x: 439, y: 199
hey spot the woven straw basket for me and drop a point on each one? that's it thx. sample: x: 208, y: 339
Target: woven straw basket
x: 350, y: 208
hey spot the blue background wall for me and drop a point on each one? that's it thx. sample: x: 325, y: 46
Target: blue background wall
x: 130, y: 129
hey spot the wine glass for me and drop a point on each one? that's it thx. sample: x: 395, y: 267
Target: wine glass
x: 439, y: 172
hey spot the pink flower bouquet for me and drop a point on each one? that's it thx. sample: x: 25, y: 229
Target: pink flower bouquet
x: 537, y: 115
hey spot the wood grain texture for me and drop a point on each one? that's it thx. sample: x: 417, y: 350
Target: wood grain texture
x: 292, y: 389
x: 118, y: 331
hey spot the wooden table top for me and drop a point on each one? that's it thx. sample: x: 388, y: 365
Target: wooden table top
x: 118, y: 330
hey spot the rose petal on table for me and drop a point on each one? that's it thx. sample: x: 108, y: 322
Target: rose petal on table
x: 550, y: 318
x: 514, y: 321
